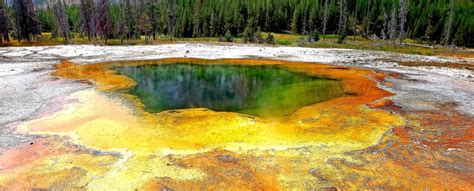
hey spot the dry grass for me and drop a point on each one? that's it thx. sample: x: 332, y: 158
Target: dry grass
x: 329, y: 41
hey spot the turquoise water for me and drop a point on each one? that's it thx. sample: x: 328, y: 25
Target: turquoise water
x: 265, y: 91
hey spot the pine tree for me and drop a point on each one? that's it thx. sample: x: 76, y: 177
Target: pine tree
x: 27, y: 24
x: 86, y: 20
x: 403, y: 19
x: 152, y: 14
x: 122, y: 30
x: 294, y: 22
x: 128, y: 18
x: 392, y: 25
x: 325, y: 17
x: 268, y: 20
x: 449, y: 24
x: 270, y: 39
x: 4, y: 22
x: 103, y: 21
x: 367, y: 19
x: 171, y: 18
x: 197, y: 18
x: 342, y: 31
x: 258, y: 37
x: 144, y: 25
x: 355, y: 18
x: 61, y: 20
x: 213, y: 25
x: 383, y: 33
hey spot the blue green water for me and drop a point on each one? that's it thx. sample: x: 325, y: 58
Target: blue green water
x: 265, y: 91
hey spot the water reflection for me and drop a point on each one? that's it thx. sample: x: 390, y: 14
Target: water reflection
x: 264, y: 91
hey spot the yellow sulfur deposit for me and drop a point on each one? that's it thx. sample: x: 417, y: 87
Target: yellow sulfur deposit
x: 104, y: 142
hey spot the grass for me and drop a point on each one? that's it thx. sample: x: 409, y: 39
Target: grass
x: 329, y: 41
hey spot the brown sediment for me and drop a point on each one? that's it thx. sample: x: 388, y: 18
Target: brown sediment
x: 467, y: 66
x: 47, y: 154
x: 460, y: 54
x: 228, y: 170
x: 433, y: 150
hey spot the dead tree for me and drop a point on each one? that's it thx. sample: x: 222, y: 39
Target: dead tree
x: 171, y: 18
x: 26, y: 22
x: 403, y: 19
x: 325, y: 17
x: 449, y: 24
x: 383, y: 33
x: 4, y: 22
x: 367, y: 19
x: 342, y: 32
x: 86, y: 18
x: 103, y: 21
x: 61, y: 20
x: 392, y: 25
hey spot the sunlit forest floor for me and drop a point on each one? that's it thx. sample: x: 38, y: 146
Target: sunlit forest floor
x: 329, y: 41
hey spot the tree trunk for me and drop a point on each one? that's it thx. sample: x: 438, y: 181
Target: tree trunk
x: 366, y: 33
x: 325, y: 18
x: 355, y: 19
x: 449, y: 24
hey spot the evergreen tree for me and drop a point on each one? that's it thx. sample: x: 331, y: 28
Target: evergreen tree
x: 103, y: 21
x: 145, y: 25
x: 128, y: 18
x: 26, y: 22
x: 86, y: 19
x: 4, y: 22
x: 449, y: 23
x: 392, y: 24
x: 171, y: 18
x: 153, y: 15
x: 403, y: 18
x: 61, y: 20
x: 342, y: 31
x: 258, y: 37
x: 122, y: 30
x: 367, y: 19
x: 247, y: 35
x: 270, y: 39
x: 325, y: 17
x: 383, y: 33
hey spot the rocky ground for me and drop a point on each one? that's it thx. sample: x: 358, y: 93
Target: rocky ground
x: 436, y: 101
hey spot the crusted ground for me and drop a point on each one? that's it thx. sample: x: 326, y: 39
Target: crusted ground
x: 403, y: 127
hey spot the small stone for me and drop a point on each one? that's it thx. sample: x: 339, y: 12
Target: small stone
x: 314, y: 171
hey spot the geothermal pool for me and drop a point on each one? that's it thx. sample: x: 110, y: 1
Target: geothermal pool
x: 264, y: 91
x: 183, y: 123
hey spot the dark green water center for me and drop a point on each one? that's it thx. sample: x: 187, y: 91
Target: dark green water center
x: 265, y: 91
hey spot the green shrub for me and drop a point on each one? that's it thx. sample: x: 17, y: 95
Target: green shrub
x: 247, y: 35
x: 301, y: 41
x: 342, y: 38
x: 258, y: 38
x: 314, y: 36
x: 228, y: 37
x: 270, y: 39
x: 221, y: 38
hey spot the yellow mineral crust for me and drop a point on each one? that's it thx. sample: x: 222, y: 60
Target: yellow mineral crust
x: 200, y: 148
